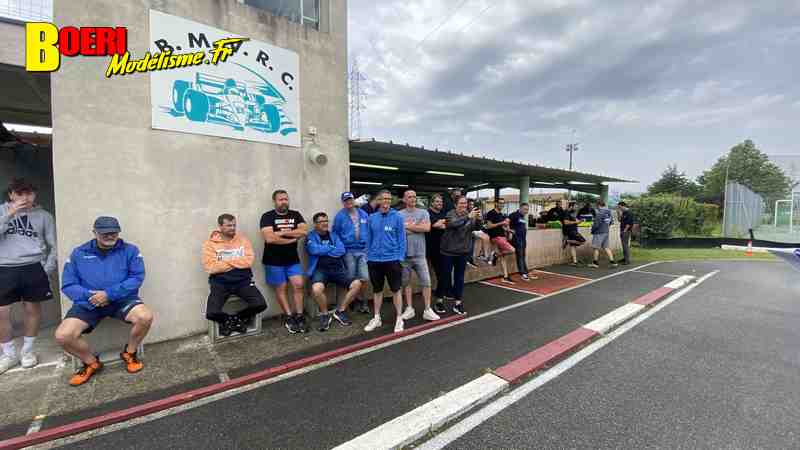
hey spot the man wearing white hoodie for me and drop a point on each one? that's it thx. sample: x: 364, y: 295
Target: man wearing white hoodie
x: 27, y: 258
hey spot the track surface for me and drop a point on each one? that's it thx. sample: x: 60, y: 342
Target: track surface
x: 719, y: 368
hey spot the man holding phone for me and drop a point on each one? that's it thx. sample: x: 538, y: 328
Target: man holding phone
x: 27, y: 258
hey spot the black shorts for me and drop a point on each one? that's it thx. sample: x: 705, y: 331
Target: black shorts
x: 24, y: 283
x: 391, y: 270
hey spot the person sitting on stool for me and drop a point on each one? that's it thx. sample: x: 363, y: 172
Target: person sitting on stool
x: 228, y: 260
x: 102, y: 278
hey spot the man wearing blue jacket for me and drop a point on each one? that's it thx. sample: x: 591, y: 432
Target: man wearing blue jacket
x: 326, y: 265
x: 350, y: 224
x: 102, y: 278
x: 386, y: 248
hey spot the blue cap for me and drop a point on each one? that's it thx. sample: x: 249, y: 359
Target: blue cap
x: 105, y: 224
x: 347, y: 196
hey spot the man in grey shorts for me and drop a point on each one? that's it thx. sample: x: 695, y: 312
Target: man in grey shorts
x: 417, y: 223
x: 600, y: 228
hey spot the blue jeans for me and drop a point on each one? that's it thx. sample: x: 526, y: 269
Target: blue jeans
x: 455, y: 265
x: 356, y: 263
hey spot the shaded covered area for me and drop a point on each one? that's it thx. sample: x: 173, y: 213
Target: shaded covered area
x: 24, y: 96
x: 375, y: 164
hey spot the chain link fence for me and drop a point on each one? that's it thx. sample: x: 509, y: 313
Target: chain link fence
x: 744, y: 211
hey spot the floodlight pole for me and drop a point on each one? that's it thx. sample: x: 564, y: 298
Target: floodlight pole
x: 571, y: 148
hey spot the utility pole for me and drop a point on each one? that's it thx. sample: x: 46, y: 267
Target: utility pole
x: 357, y: 99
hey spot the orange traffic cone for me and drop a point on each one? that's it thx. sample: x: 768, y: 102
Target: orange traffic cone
x: 749, y: 251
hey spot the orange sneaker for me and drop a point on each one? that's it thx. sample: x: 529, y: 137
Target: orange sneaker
x: 132, y: 362
x: 85, y: 373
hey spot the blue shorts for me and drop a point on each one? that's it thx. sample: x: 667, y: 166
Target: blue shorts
x: 278, y: 275
x: 356, y: 263
x: 341, y: 279
x: 92, y: 317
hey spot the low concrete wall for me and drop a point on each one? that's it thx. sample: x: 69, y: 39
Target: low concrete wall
x: 545, y: 249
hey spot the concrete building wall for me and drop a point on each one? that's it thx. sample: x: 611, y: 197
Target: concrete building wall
x: 167, y: 188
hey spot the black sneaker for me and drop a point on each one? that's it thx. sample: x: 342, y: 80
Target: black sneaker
x: 325, y: 322
x: 291, y: 324
x: 302, y: 323
x: 439, y: 308
x: 342, y: 318
x: 458, y: 308
x: 225, y: 328
x: 240, y: 324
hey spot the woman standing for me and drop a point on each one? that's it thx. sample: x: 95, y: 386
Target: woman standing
x: 456, y: 246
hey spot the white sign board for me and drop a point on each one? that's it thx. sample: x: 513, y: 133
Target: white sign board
x: 252, y: 95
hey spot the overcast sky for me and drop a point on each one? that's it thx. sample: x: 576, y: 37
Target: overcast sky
x: 643, y: 84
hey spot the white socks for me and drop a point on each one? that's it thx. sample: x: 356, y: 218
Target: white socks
x: 27, y: 343
x: 9, y: 348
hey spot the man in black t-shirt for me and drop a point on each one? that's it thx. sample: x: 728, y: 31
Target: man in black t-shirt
x: 281, y: 228
x: 497, y: 225
x: 432, y: 243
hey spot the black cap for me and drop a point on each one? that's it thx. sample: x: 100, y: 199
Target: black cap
x: 105, y: 224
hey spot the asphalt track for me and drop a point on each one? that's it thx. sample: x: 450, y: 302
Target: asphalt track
x: 334, y: 404
x: 719, y: 368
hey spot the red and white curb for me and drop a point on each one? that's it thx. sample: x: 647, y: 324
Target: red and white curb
x: 415, y: 424
x: 245, y: 381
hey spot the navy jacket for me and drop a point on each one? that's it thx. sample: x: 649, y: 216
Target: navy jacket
x: 120, y: 273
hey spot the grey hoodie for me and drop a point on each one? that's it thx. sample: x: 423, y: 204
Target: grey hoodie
x: 27, y: 237
x: 602, y: 221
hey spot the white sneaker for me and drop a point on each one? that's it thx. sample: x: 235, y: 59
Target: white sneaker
x: 373, y: 324
x: 7, y: 362
x: 399, y: 325
x: 428, y: 314
x: 409, y: 313
x: 29, y: 360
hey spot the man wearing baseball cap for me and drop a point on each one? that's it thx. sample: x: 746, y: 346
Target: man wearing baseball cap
x: 102, y: 278
x: 349, y: 225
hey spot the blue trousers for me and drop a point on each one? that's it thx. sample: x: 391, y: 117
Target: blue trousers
x: 455, y: 265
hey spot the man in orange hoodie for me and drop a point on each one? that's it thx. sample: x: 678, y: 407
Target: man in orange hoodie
x: 228, y: 258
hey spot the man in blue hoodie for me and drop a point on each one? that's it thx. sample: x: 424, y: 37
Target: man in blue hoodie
x: 326, y: 265
x: 386, y: 248
x: 102, y: 278
x: 350, y: 224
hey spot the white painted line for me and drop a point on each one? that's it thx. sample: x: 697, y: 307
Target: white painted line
x: 487, y: 412
x: 223, y: 395
x: 615, y: 317
x: 223, y: 377
x: 680, y: 282
x: 659, y: 273
x: 417, y: 423
x: 38, y: 366
x: 509, y: 288
x: 563, y: 275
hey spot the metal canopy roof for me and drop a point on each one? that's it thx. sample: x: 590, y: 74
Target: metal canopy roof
x: 410, y: 166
